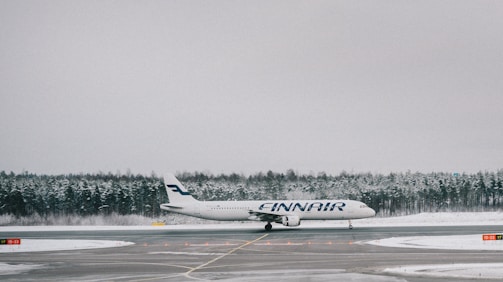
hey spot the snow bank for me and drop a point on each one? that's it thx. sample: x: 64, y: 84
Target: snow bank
x: 42, y: 245
x: 457, y: 242
x: 457, y: 270
x: 11, y: 269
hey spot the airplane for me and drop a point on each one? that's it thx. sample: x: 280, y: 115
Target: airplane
x: 287, y: 212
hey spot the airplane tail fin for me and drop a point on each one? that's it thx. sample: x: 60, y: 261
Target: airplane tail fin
x: 177, y: 194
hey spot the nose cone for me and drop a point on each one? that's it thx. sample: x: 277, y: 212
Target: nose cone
x: 371, y: 212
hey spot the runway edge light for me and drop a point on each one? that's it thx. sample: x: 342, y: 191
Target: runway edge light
x: 158, y: 223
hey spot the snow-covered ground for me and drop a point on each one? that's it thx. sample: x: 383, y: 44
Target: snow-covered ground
x: 458, y: 242
x: 468, y: 242
x: 455, y: 270
x: 42, y: 245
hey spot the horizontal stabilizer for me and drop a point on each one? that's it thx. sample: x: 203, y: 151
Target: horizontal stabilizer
x: 171, y: 206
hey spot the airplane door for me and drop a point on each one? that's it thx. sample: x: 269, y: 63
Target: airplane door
x: 197, y: 210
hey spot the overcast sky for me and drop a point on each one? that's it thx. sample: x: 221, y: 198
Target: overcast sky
x: 248, y: 86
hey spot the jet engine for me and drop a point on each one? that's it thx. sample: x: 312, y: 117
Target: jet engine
x: 290, y: 220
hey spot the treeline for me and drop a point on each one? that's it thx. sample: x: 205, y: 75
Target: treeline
x: 83, y: 194
x: 29, y: 194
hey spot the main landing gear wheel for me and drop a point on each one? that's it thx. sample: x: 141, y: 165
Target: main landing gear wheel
x: 268, y: 227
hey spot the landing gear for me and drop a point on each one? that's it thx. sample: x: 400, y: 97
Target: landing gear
x: 350, y: 225
x: 268, y: 227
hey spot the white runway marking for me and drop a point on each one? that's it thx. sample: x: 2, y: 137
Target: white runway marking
x: 187, y: 274
x: 187, y: 253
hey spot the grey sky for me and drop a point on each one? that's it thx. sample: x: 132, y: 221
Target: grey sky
x: 247, y: 86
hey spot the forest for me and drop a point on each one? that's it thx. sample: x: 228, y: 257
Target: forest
x: 27, y: 194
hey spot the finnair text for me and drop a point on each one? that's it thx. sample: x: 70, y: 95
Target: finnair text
x: 298, y: 206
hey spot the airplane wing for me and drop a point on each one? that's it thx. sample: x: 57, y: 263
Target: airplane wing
x: 264, y: 216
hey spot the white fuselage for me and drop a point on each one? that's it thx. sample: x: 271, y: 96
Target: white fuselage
x: 304, y: 209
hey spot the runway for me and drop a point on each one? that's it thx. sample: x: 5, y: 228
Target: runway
x: 299, y: 254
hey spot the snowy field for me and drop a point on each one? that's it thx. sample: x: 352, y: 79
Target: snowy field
x: 43, y: 245
x: 467, y: 242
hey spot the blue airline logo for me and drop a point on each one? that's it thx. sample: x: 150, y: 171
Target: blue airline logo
x: 175, y: 188
x: 317, y: 206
